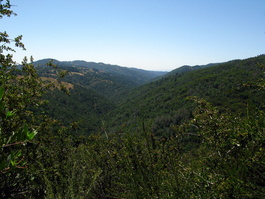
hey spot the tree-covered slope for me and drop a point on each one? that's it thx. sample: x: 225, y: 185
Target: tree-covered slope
x: 225, y: 85
x: 186, y: 68
x: 82, y: 106
x: 93, y: 88
x: 97, y: 95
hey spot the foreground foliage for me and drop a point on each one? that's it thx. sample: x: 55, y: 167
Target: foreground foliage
x: 229, y: 162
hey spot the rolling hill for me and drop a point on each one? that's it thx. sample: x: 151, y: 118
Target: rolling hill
x: 94, y: 88
x: 119, y: 96
x: 108, y: 80
x: 165, y: 101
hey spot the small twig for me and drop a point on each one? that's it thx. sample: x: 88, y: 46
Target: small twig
x: 16, y: 143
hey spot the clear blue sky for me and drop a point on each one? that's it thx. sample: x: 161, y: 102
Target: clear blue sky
x: 148, y: 34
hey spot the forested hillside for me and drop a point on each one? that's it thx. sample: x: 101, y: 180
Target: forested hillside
x: 81, y: 132
x: 162, y: 103
x: 165, y: 101
x: 101, y: 97
x: 108, y: 80
x: 93, y: 90
x: 83, y: 106
x: 187, y: 68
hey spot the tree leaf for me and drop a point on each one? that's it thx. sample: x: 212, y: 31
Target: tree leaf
x: 10, y: 114
x: 32, y: 134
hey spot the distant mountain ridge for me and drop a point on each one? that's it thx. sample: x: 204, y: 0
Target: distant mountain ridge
x: 107, y: 80
x: 187, y: 68
x: 138, y: 74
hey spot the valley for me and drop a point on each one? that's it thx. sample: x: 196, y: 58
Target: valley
x: 118, y: 96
